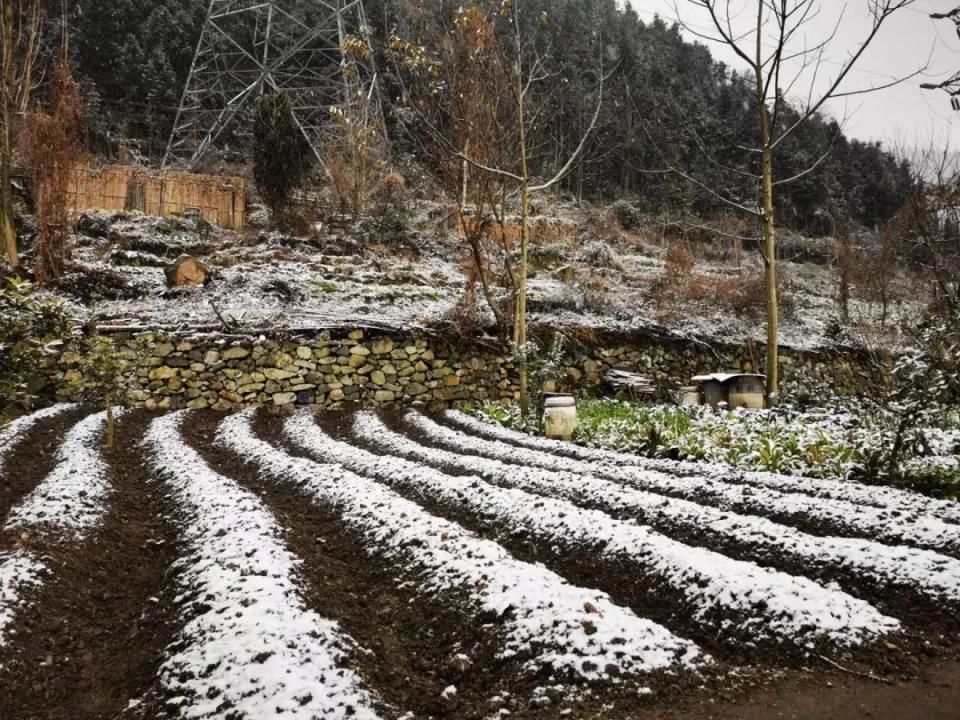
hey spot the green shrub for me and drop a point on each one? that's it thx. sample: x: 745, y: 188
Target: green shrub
x: 31, y: 329
x: 850, y: 441
x: 104, y: 379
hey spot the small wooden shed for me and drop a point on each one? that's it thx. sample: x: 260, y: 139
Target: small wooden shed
x: 737, y: 390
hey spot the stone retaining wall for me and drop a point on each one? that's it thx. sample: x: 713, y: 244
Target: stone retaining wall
x: 334, y: 370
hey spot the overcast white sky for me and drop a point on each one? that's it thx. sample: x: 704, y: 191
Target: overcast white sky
x: 905, y: 44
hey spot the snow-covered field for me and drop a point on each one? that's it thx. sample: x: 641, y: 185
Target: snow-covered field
x: 588, y: 573
x: 273, y: 281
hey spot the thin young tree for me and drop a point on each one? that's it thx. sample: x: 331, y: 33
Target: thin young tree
x: 772, y: 38
x: 20, y: 35
x: 519, y: 69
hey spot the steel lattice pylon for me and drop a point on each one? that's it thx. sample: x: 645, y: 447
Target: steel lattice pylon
x: 315, y: 51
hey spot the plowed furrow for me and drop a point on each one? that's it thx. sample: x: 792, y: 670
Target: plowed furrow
x: 28, y: 452
x: 407, y: 645
x: 93, y: 635
x: 549, y: 624
x: 248, y: 648
x: 817, y: 515
x: 896, y: 577
x: 696, y: 592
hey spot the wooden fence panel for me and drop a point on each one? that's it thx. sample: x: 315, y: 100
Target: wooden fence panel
x: 219, y: 200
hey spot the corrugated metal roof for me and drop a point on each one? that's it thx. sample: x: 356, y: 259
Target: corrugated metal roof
x: 725, y: 377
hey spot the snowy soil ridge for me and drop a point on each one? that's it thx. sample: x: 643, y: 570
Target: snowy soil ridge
x: 250, y: 649
x: 763, y: 603
x: 547, y: 623
x: 13, y: 432
x: 71, y: 500
x: 886, y: 525
x: 19, y: 571
x: 926, y: 572
x: 847, y: 490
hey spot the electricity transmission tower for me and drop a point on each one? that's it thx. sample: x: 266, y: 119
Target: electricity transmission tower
x: 315, y: 51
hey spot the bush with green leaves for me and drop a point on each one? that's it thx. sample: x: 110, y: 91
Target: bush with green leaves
x: 104, y: 379
x: 817, y: 443
x: 32, y: 328
x: 544, y: 365
x: 923, y: 399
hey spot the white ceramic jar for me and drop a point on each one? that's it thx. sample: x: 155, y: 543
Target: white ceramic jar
x: 560, y: 417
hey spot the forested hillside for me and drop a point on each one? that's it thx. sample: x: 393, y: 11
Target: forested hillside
x: 667, y: 102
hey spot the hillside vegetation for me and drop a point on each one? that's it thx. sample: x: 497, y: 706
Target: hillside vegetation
x: 667, y: 101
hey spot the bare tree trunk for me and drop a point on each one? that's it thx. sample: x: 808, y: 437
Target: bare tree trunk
x: 773, y: 302
x: 6, y: 196
x: 524, y: 245
x: 6, y: 152
x: 769, y: 226
x: 845, y: 260
x: 465, y: 177
x: 20, y: 33
x: 111, y: 435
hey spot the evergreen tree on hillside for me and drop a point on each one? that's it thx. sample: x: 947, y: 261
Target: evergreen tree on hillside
x: 668, y: 97
x: 281, y: 155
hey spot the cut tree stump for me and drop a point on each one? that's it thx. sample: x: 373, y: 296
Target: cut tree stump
x: 187, y: 271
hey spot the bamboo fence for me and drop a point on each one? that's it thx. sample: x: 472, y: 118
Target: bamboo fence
x: 219, y: 200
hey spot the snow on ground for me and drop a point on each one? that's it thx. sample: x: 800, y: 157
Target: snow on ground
x: 885, y: 525
x: 19, y: 571
x: 845, y: 490
x: 927, y: 572
x: 753, y: 601
x: 269, y: 284
x: 71, y: 500
x: 250, y: 649
x: 551, y: 624
x: 14, y: 432
x: 352, y: 277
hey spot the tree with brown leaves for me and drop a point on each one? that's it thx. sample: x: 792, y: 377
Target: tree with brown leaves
x: 52, y: 149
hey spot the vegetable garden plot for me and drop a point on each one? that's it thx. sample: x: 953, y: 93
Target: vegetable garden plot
x: 249, y: 649
x: 67, y: 504
x: 726, y: 597
x: 19, y: 571
x: 15, y: 431
x: 546, y: 622
x: 927, y: 573
x: 892, y: 499
x: 839, y: 517
x: 122, y: 573
x: 71, y: 500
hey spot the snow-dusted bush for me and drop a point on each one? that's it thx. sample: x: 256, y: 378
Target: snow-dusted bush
x: 599, y: 254
x: 627, y: 214
x: 923, y: 399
